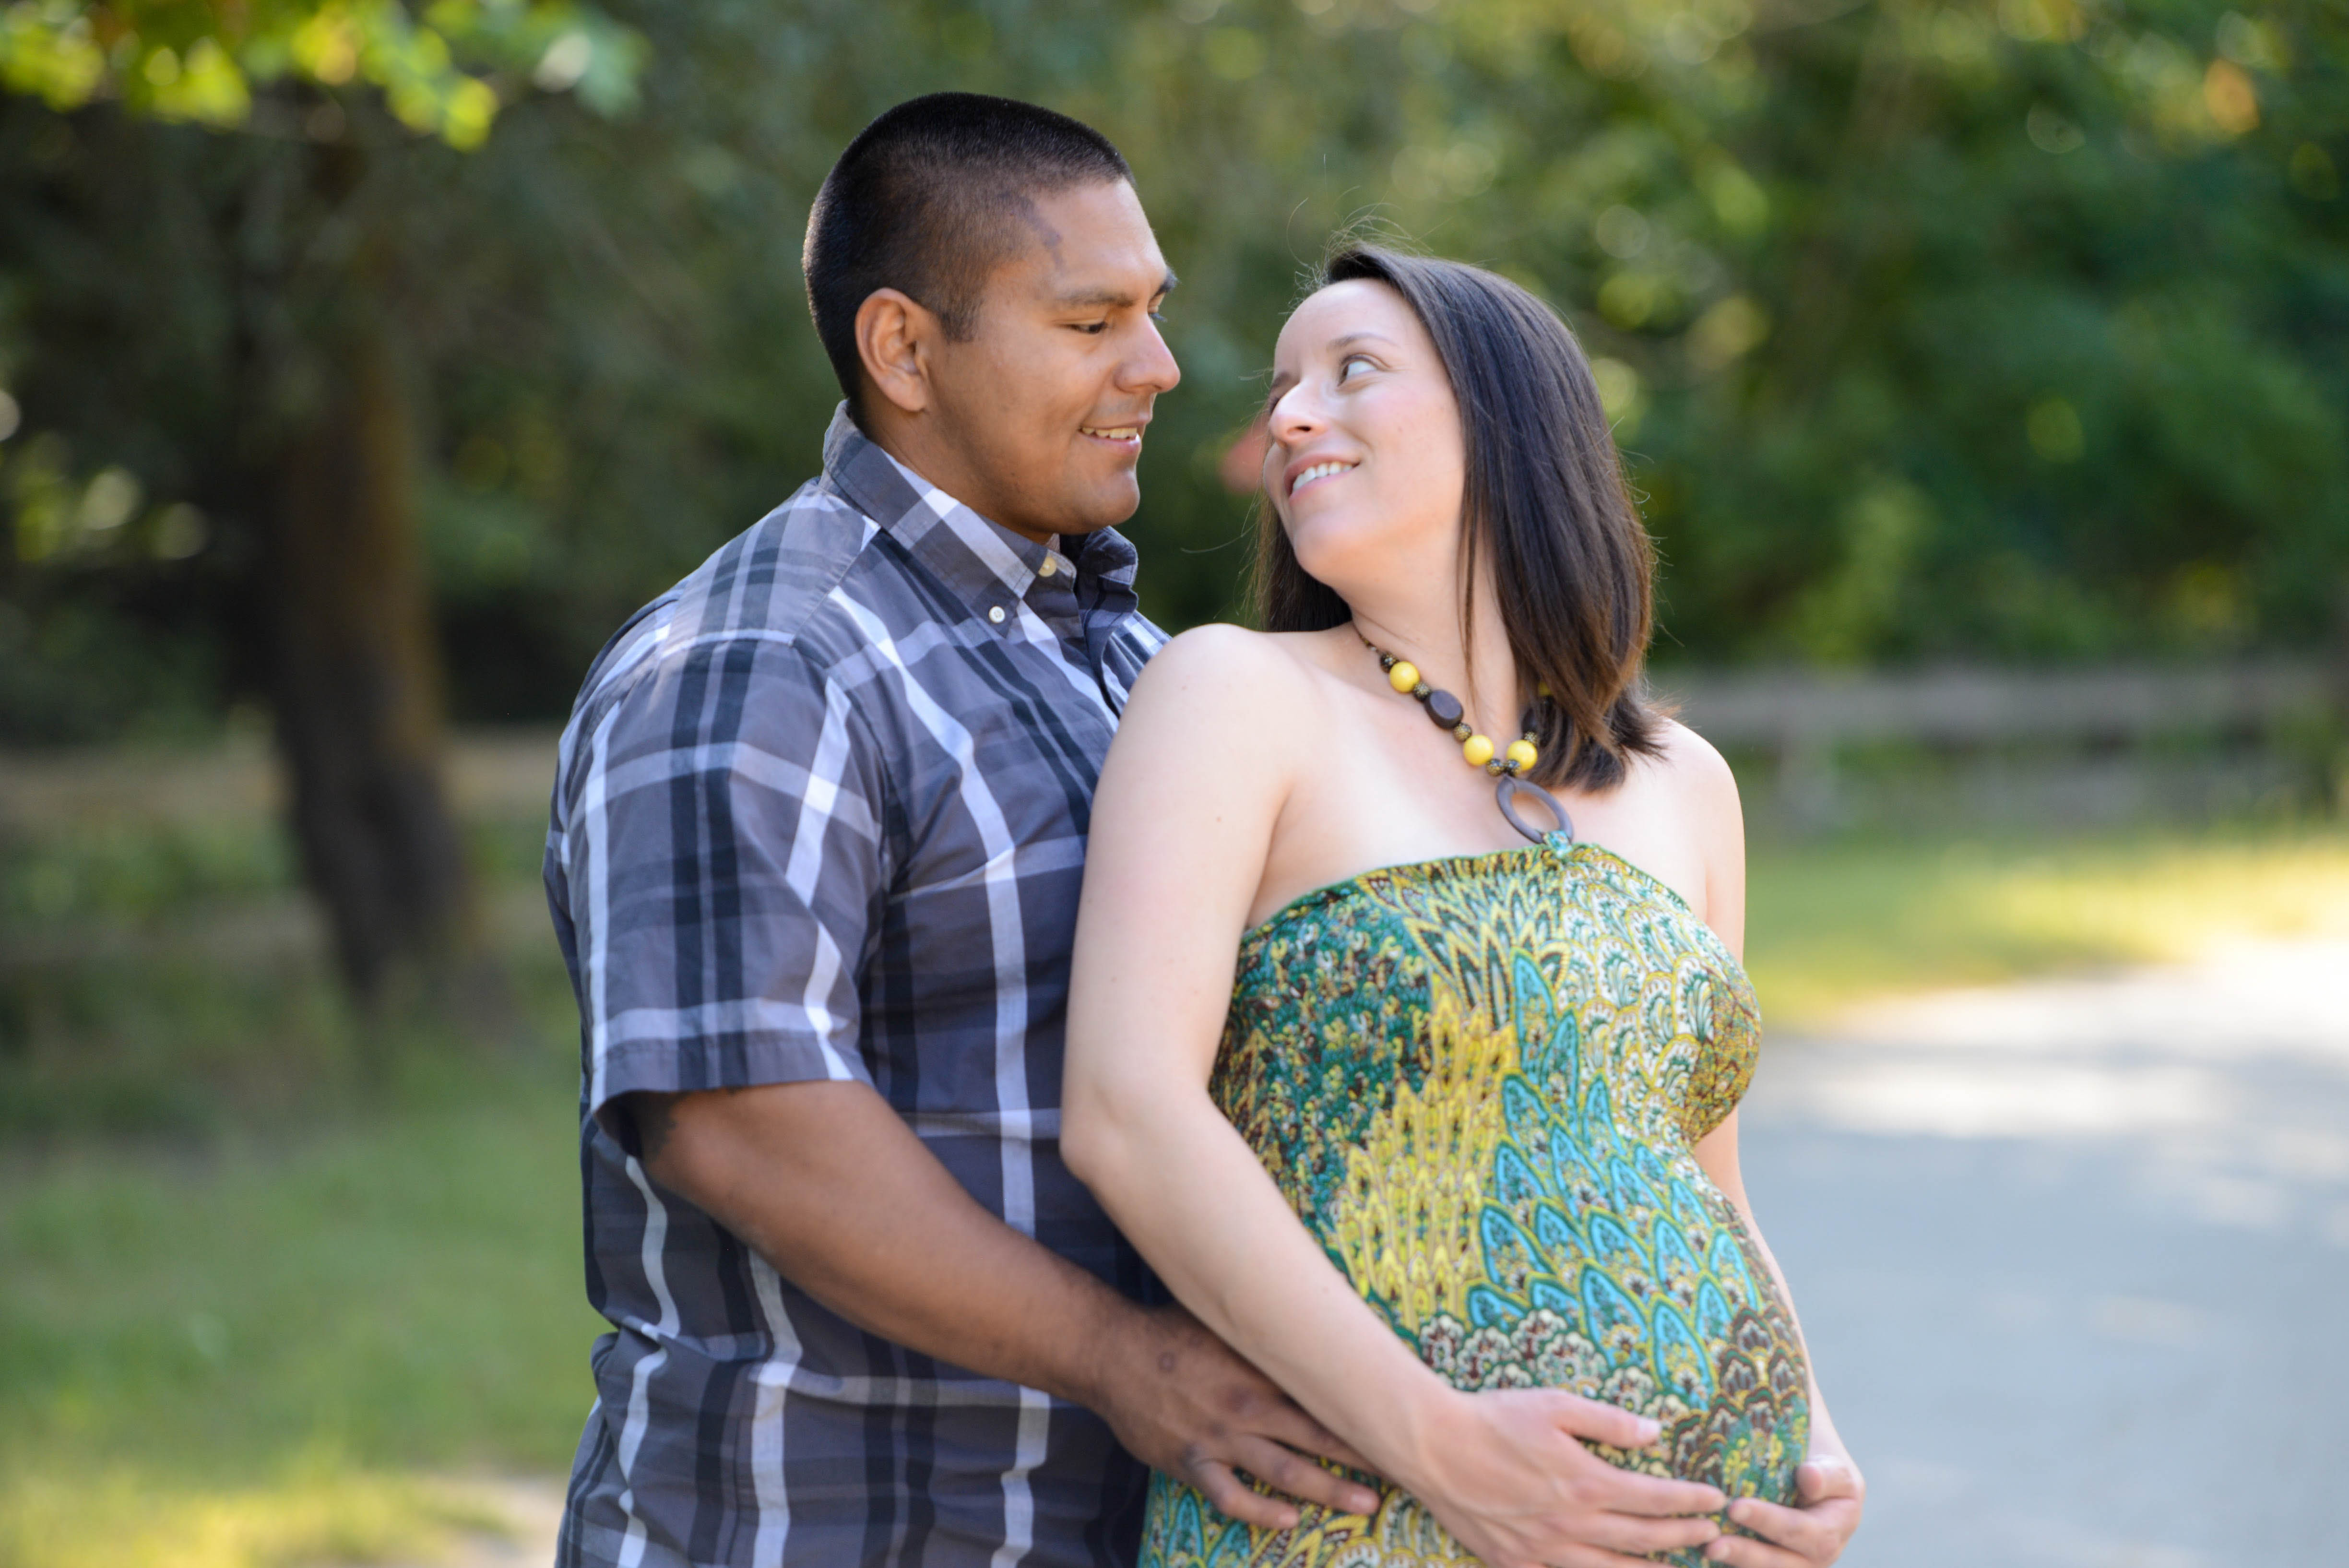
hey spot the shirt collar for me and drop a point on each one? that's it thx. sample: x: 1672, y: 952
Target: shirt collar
x: 983, y: 563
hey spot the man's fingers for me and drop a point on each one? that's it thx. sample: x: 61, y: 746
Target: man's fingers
x: 1286, y: 1470
x: 1219, y: 1486
x: 1288, y: 1425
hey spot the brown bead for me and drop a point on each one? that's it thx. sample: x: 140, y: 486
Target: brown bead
x: 1461, y: 731
x: 1445, y: 708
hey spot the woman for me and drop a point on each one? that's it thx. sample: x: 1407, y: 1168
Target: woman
x: 1455, y: 1160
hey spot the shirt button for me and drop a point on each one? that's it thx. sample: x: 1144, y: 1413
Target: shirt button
x: 1051, y: 565
x: 995, y: 615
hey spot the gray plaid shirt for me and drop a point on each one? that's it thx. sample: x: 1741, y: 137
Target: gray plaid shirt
x: 821, y: 813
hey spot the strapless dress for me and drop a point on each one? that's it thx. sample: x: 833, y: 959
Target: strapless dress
x: 1478, y: 1081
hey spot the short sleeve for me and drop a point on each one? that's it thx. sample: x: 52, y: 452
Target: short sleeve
x: 718, y: 859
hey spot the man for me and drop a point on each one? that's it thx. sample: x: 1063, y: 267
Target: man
x: 818, y: 835
x: 817, y: 842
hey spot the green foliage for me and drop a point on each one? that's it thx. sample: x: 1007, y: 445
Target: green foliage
x: 201, y: 62
x: 1987, y: 329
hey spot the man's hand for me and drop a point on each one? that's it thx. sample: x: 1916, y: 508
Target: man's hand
x: 1183, y: 1402
x: 1507, y: 1472
x: 831, y: 1187
x: 1829, y: 1495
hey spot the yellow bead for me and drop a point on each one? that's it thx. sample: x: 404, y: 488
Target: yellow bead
x: 1478, y: 750
x: 1522, y: 752
x: 1403, y: 675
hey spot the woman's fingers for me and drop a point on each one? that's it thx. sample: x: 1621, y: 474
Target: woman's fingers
x: 1621, y: 1492
x: 1596, y: 1557
x: 1816, y: 1481
x: 1597, y: 1422
x: 1653, y: 1497
x: 1801, y: 1537
x: 1644, y: 1537
x: 1739, y: 1551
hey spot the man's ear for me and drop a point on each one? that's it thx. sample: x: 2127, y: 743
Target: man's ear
x: 893, y: 337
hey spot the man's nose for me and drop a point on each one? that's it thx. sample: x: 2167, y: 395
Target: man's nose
x: 1152, y: 367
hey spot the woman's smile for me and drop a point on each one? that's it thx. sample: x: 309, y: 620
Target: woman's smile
x: 1315, y: 474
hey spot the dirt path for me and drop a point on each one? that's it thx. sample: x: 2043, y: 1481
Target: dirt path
x: 2074, y: 1257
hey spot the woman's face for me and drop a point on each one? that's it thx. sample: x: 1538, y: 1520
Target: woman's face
x: 1367, y: 459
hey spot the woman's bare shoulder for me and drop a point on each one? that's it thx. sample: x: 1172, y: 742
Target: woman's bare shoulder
x: 1228, y: 668
x: 1692, y: 782
x: 1694, y: 768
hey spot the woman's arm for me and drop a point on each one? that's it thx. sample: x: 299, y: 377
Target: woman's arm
x: 1828, y: 1485
x: 1185, y: 813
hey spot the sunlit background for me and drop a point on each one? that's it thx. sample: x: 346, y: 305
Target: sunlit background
x: 1983, y: 371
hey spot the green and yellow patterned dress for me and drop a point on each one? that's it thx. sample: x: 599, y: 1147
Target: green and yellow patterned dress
x: 1478, y: 1081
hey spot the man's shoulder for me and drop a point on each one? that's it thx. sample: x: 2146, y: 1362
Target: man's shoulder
x: 788, y: 599
x: 787, y: 590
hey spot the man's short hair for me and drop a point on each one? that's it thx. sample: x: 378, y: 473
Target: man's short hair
x: 929, y: 200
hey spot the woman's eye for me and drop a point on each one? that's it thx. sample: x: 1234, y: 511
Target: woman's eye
x: 1093, y: 329
x: 1346, y: 365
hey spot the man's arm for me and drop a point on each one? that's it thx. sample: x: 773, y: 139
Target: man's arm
x: 830, y: 1185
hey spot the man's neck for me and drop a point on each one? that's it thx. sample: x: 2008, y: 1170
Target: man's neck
x: 910, y: 442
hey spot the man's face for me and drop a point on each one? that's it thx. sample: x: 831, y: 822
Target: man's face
x: 1045, y: 405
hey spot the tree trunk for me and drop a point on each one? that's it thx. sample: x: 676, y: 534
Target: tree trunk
x: 358, y: 682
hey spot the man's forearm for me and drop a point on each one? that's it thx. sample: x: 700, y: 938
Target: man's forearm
x: 830, y: 1185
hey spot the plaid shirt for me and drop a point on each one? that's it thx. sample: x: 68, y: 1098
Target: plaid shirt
x: 821, y: 813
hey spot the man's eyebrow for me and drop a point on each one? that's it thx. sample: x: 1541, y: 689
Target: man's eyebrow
x: 1108, y: 298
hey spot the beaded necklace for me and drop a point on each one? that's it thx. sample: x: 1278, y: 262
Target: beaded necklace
x: 1446, y: 713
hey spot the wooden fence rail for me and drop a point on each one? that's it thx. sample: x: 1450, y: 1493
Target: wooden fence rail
x: 1975, y: 706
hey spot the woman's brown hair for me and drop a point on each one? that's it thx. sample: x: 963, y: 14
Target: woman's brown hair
x: 1544, y: 495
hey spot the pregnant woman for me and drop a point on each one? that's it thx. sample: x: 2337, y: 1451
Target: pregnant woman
x: 1407, y: 1027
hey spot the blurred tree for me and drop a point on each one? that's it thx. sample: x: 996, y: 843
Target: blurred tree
x: 302, y: 427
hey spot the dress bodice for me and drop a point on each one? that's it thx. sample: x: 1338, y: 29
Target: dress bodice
x: 1479, y: 1082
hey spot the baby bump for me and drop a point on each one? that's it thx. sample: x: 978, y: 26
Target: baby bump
x: 1519, y: 1256
x: 1615, y: 1273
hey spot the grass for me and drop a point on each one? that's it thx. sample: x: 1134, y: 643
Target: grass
x: 1829, y: 925
x: 267, y: 1278
x: 255, y: 1352
x: 258, y: 1298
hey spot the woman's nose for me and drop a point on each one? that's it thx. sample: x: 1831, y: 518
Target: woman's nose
x: 1293, y: 416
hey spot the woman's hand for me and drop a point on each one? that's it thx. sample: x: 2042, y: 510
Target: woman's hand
x: 1508, y: 1473
x: 1829, y: 1495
